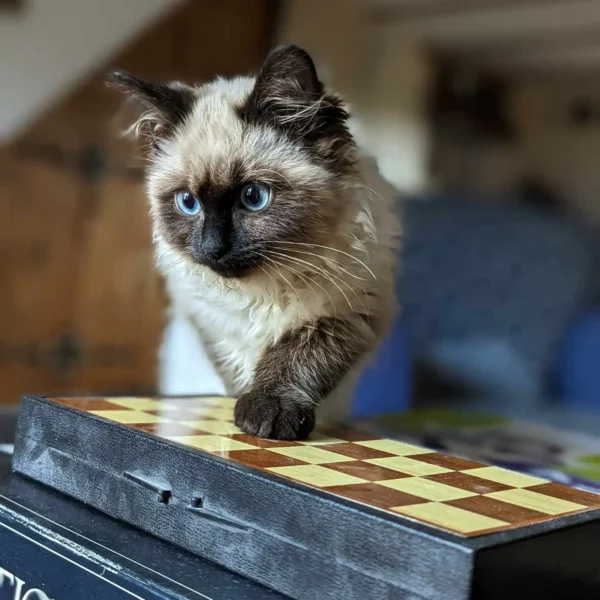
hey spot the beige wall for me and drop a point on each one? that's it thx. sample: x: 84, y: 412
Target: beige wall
x: 552, y: 147
x: 548, y: 147
x: 48, y: 49
x: 383, y: 75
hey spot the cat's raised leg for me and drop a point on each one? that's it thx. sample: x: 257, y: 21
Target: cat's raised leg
x: 297, y: 372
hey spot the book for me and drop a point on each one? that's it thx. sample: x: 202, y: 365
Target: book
x: 55, y: 548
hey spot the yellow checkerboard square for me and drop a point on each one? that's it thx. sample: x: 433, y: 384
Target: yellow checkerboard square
x: 424, y: 488
x: 449, y: 517
x: 498, y: 475
x: 221, y: 401
x: 312, y: 454
x: 394, y: 447
x: 540, y: 502
x: 318, y: 439
x: 137, y: 403
x: 212, y: 443
x: 407, y: 465
x: 129, y: 416
x: 222, y: 414
x: 216, y: 427
x: 316, y: 475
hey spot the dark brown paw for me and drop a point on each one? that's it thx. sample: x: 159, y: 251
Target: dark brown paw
x: 267, y: 416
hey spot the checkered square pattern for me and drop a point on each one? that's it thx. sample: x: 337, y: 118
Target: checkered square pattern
x: 460, y: 496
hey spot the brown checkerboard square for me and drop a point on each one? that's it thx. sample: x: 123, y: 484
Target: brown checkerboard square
x: 356, y: 451
x: 346, y: 433
x: 483, y: 505
x: 566, y: 493
x: 374, y: 495
x: 464, y: 481
x: 88, y: 404
x: 263, y: 459
x: 449, y: 462
x: 366, y: 471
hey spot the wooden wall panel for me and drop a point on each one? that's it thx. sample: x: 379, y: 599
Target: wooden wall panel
x: 77, y: 281
x: 39, y: 238
x: 119, y: 300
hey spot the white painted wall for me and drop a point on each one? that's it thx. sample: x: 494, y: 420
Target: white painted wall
x: 51, y: 45
x: 561, y: 154
x: 548, y: 146
x: 383, y: 75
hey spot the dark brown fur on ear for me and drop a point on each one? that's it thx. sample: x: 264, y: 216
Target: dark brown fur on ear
x: 166, y: 105
x: 289, y: 96
x: 288, y: 72
x: 296, y: 373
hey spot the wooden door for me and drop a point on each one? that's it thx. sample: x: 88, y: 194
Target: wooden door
x: 38, y: 240
x: 81, y: 306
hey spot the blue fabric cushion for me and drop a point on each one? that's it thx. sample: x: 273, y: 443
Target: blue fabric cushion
x: 578, y: 368
x: 492, y: 367
x: 489, y: 290
x: 385, y: 385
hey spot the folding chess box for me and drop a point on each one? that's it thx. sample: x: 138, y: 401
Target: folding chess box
x: 346, y: 515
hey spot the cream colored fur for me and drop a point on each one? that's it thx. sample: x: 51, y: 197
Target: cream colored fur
x: 238, y: 319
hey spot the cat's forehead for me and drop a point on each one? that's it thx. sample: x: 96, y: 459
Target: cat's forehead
x: 215, y: 144
x: 221, y: 92
x: 215, y: 116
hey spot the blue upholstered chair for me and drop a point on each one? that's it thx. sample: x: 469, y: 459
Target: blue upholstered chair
x: 386, y: 385
x: 497, y: 297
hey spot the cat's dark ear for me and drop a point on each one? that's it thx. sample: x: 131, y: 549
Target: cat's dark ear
x: 287, y: 89
x: 289, y: 95
x: 165, y: 105
x: 288, y: 73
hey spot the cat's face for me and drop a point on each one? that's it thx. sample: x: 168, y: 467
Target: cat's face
x: 241, y: 168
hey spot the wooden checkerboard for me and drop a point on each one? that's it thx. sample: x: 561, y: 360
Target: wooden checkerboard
x: 453, y: 494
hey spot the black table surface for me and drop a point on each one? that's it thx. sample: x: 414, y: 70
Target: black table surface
x: 37, y: 525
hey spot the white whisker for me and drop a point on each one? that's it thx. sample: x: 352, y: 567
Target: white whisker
x: 275, y: 264
x: 317, y: 271
x: 331, y: 260
x: 266, y: 272
x: 308, y: 280
x: 328, y: 275
x: 328, y: 248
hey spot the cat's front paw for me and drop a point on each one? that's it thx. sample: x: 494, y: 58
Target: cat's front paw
x: 266, y: 416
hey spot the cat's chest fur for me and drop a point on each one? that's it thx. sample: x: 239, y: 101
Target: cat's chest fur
x: 236, y: 324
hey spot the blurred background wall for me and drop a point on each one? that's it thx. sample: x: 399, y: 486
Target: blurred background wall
x: 81, y: 308
x: 47, y: 47
x: 384, y: 76
x: 485, y: 115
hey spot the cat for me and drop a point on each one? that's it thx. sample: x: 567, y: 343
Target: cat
x: 276, y: 236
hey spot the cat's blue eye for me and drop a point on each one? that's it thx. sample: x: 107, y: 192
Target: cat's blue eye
x: 255, y: 196
x: 187, y: 203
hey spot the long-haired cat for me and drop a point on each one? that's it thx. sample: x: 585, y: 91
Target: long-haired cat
x: 273, y: 234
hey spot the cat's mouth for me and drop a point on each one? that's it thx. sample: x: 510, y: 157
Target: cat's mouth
x: 231, y: 267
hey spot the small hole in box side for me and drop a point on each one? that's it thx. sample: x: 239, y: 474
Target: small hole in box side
x: 197, y: 503
x: 164, y: 497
